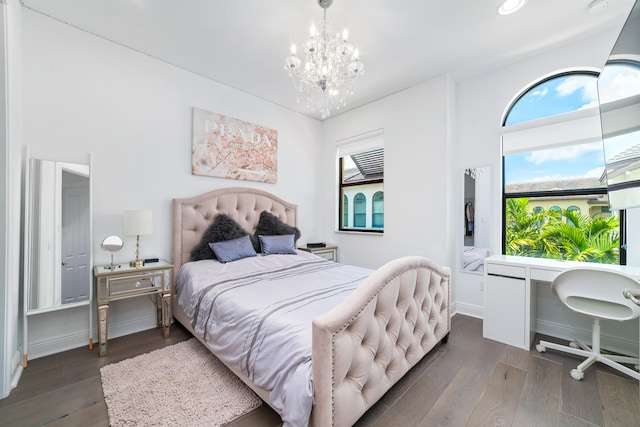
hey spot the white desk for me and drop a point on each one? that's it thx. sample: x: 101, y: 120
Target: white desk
x: 510, y: 296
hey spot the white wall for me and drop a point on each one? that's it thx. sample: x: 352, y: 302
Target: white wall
x: 83, y: 94
x: 481, y: 103
x: 417, y: 176
x: 10, y: 138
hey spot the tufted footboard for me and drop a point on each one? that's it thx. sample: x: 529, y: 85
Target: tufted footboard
x: 365, y: 345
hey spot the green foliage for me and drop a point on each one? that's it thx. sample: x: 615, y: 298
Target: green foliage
x: 566, y: 234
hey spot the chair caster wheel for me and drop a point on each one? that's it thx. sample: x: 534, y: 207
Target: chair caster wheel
x: 540, y: 348
x: 573, y: 344
x: 577, y: 375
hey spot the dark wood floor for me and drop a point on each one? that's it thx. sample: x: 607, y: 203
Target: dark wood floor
x: 470, y: 381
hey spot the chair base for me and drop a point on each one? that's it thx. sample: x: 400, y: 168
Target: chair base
x: 593, y: 356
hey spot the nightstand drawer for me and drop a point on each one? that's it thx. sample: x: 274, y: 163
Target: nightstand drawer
x: 326, y: 254
x: 134, y: 284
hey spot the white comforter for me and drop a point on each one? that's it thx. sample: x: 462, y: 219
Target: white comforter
x: 255, y: 315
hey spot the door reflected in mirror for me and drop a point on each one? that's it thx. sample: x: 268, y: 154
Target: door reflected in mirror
x: 476, y: 235
x: 59, y: 248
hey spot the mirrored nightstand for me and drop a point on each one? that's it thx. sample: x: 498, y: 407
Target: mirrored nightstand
x: 128, y: 282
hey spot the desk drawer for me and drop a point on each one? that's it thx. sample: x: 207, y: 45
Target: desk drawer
x: 133, y: 284
x: 506, y: 270
x: 543, y: 275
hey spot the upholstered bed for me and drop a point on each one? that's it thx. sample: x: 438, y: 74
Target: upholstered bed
x: 359, y: 348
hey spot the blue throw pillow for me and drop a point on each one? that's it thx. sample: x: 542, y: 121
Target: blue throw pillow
x: 279, y: 244
x: 231, y: 250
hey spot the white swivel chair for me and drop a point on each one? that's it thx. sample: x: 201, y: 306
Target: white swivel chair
x: 597, y: 293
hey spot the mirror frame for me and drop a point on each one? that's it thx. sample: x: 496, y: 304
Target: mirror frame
x: 26, y: 263
x: 476, y: 219
x: 28, y: 237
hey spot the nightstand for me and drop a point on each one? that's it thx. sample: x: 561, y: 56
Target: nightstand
x: 327, y: 252
x: 128, y: 282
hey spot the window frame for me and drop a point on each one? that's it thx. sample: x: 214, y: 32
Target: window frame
x: 560, y: 193
x: 363, y: 143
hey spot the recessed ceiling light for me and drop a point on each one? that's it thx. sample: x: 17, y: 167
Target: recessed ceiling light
x: 507, y: 7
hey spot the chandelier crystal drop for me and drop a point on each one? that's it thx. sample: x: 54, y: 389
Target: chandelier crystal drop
x: 331, y: 65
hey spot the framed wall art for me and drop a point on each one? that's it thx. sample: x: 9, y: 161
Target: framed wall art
x: 226, y: 147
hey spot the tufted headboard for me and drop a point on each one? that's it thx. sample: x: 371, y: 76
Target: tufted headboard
x: 192, y: 216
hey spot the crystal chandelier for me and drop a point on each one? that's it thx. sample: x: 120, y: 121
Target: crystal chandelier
x: 331, y: 66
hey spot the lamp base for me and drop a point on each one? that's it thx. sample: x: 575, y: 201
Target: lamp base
x: 137, y: 263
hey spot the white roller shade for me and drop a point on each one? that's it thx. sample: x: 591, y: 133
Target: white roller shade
x: 577, y: 127
x: 621, y: 116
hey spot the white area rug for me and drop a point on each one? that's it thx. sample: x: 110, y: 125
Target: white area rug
x: 183, y: 384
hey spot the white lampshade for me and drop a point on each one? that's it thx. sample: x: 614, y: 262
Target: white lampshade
x: 137, y: 223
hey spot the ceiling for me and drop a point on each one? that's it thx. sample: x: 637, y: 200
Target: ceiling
x: 243, y: 43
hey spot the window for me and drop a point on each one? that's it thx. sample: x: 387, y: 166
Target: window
x: 345, y: 210
x: 361, y: 170
x: 553, y: 174
x: 360, y: 211
x: 378, y: 210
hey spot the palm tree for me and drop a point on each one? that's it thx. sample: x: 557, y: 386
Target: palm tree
x: 545, y: 234
x: 524, y: 228
x: 585, y: 239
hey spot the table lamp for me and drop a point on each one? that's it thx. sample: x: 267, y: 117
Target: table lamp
x: 137, y: 223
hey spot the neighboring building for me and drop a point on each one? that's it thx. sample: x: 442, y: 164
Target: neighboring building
x: 593, y: 205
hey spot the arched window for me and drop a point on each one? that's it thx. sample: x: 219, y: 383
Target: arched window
x: 360, y: 210
x: 573, y: 209
x: 345, y: 211
x: 552, y: 151
x: 377, y: 219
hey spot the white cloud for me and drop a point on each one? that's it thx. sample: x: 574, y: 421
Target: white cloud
x: 594, y: 173
x: 591, y: 104
x: 587, y: 85
x: 617, y: 82
x: 540, y: 93
x: 562, y: 153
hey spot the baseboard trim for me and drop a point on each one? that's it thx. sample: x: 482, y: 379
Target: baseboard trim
x: 16, y: 371
x: 61, y: 343
x: 468, y: 310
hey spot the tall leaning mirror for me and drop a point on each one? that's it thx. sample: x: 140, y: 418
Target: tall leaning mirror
x: 476, y: 217
x: 56, y: 240
x: 57, y: 236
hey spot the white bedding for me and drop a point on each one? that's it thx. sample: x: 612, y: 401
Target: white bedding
x: 255, y: 315
x: 473, y: 258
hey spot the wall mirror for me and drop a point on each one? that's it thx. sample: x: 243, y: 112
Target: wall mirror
x: 620, y: 115
x: 476, y: 217
x: 57, y: 235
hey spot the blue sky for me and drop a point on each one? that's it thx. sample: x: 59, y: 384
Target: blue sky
x: 556, y: 96
x: 561, y: 95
